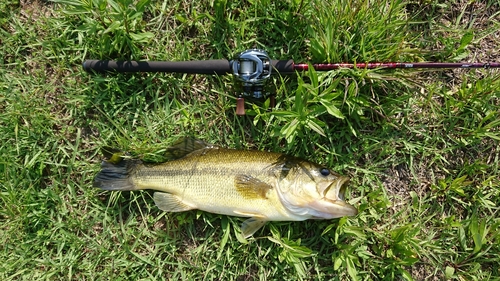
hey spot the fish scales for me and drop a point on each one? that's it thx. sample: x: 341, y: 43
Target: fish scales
x: 207, y: 180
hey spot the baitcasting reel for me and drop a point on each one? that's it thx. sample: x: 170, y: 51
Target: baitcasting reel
x: 252, y: 68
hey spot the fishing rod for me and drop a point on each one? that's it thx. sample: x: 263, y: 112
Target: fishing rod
x: 252, y: 68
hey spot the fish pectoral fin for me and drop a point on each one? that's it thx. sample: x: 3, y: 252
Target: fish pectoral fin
x: 170, y: 203
x: 251, y: 225
x: 249, y: 214
x: 250, y: 187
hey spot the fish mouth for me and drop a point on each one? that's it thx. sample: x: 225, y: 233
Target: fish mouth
x: 342, y: 187
x: 338, y: 191
x: 335, y: 193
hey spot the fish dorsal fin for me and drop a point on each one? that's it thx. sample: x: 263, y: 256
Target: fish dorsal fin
x: 251, y: 188
x: 185, y: 146
x: 251, y: 225
x: 170, y: 203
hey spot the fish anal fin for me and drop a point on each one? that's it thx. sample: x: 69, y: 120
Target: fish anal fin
x: 251, y: 225
x: 170, y: 202
x: 251, y: 188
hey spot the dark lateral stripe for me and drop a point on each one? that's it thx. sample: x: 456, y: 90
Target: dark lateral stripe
x: 160, y: 173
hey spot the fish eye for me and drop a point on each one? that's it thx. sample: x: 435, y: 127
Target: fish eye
x: 324, y: 171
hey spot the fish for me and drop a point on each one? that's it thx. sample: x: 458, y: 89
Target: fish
x: 261, y: 186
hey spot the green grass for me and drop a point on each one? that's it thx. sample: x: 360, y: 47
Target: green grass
x: 422, y: 148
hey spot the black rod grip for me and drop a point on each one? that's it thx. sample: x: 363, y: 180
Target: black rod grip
x: 193, y: 67
x: 219, y: 67
x: 283, y: 66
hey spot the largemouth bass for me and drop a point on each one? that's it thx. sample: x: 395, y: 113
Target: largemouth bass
x: 263, y: 186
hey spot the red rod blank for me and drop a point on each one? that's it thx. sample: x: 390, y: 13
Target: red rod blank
x: 392, y: 65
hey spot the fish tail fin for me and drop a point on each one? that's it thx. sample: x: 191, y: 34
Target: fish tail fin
x: 115, y: 174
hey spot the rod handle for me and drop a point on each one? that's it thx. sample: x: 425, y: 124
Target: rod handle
x: 220, y: 67
x: 284, y: 66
